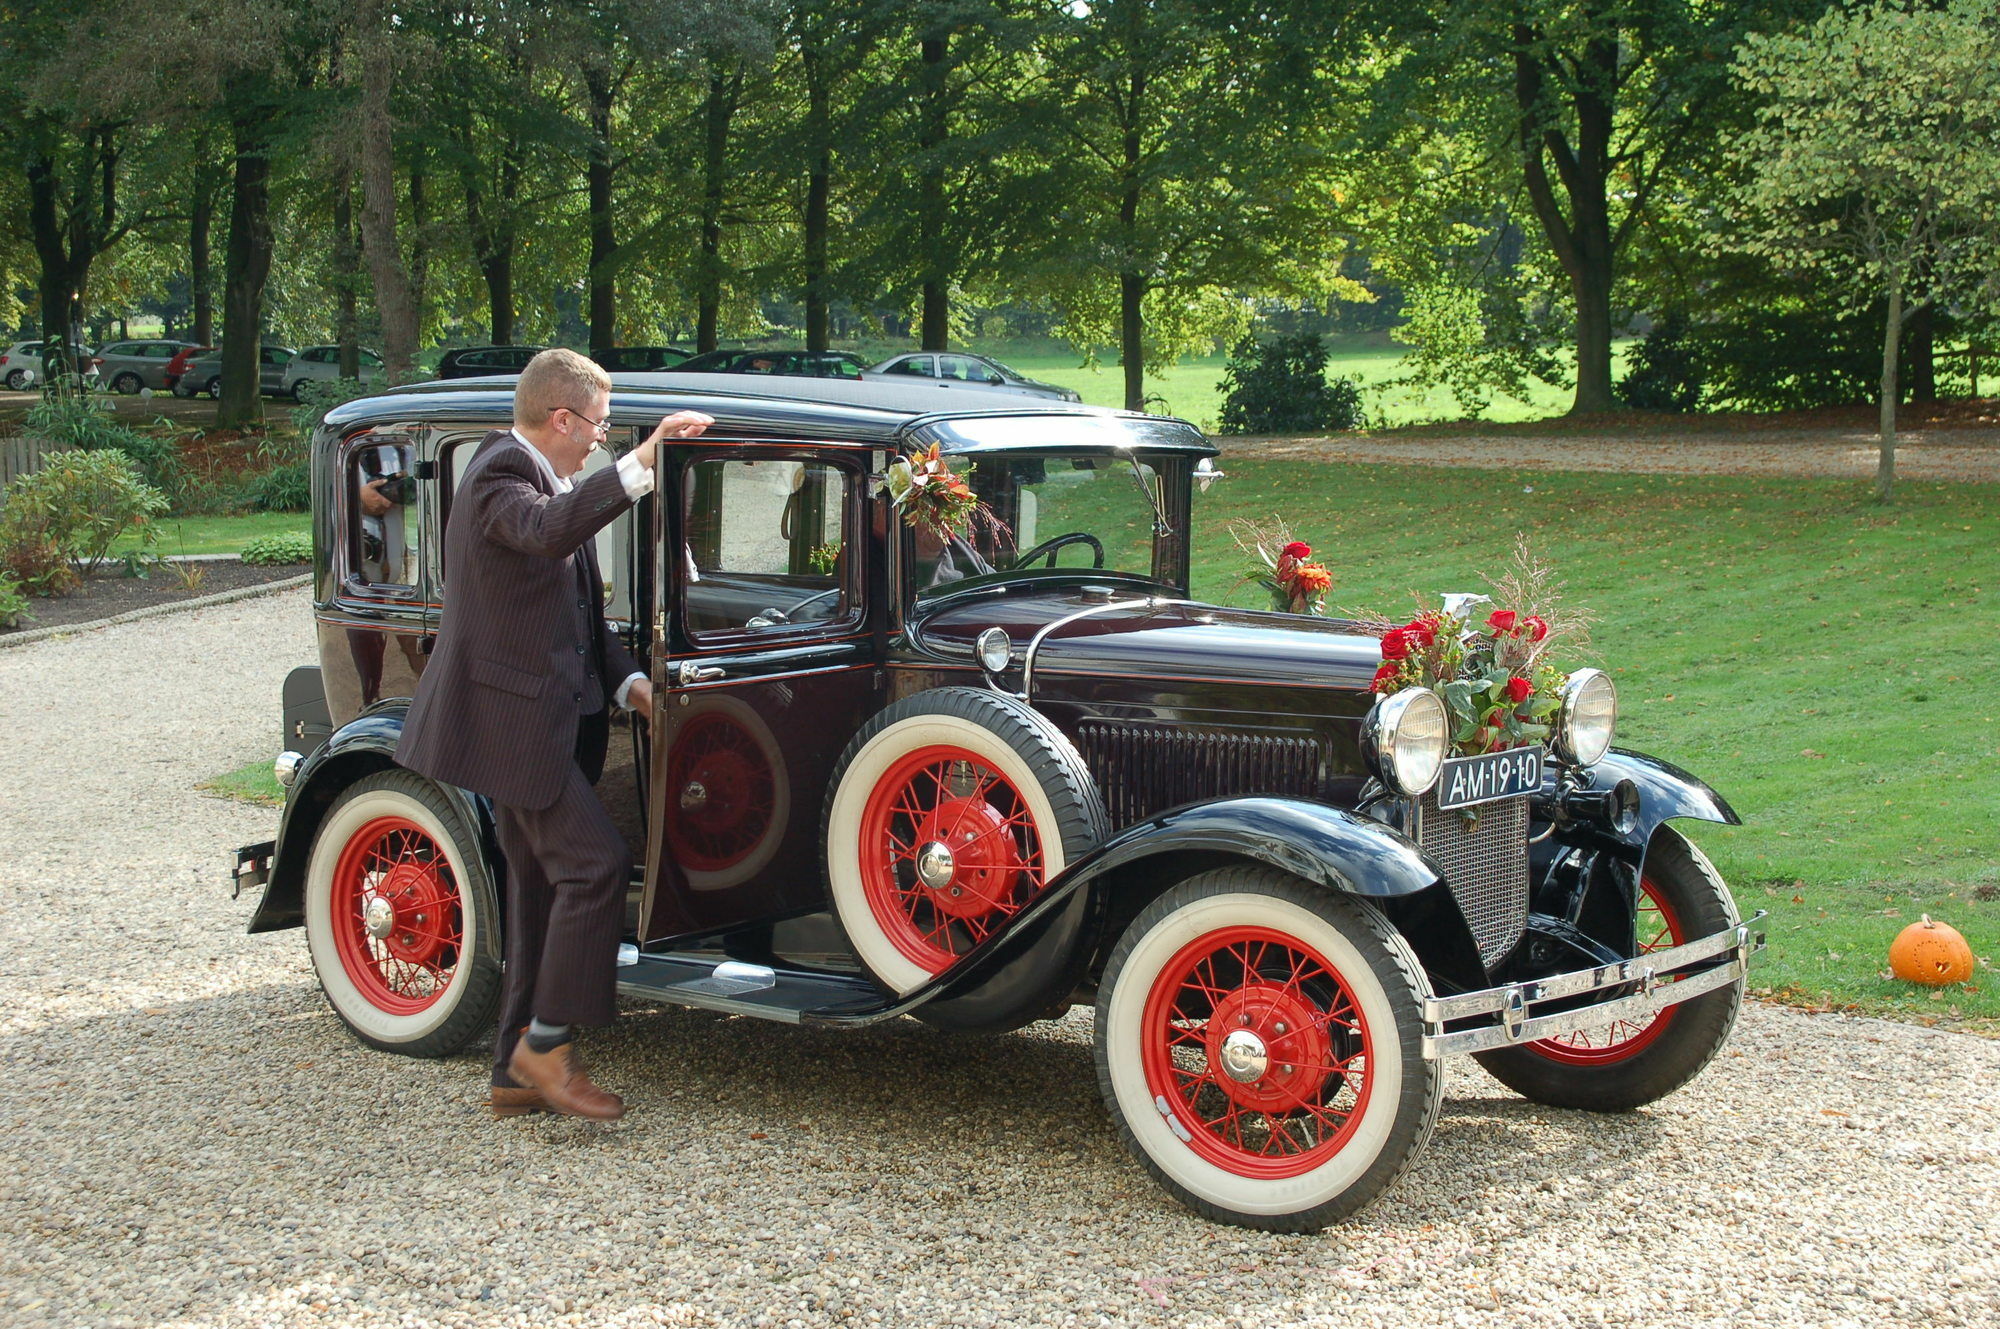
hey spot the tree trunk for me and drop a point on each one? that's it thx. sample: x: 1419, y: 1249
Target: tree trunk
x: 201, y: 222
x: 246, y: 266
x: 725, y: 87
x: 60, y: 279
x: 1132, y: 283
x: 393, y: 298
x: 603, y: 228
x: 932, y: 205
x: 1892, y: 331
x: 346, y: 275
x: 819, y: 188
x: 420, y: 246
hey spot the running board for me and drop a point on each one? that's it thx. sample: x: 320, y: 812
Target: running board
x: 757, y: 990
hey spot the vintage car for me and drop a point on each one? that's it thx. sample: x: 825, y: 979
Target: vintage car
x: 980, y: 778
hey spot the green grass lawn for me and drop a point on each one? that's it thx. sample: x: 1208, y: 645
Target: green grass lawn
x: 1824, y: 663
x: 250, y: 784
x: 1189, y: 389
x: 216, y: 535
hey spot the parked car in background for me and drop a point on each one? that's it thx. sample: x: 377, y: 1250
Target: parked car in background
x: 182, y: 359
x: 799, y: 364
x: 127, y: 366
x: 321, y: 364
x: 960, y: 370
x: 21, y: 364
x: 476, y: 361
x: 639, y: 359
x: 205, y: 374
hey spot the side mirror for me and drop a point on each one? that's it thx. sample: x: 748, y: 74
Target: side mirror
x: 1206, y: 473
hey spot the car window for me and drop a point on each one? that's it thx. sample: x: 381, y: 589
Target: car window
x: 382, y: 523
x: 277, y: 355
x: 924, y: 366
x: 370, y: 359
x: 766, y: 546
x: 965, y: 369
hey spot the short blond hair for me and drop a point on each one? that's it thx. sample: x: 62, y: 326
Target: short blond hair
x: 555, y: 379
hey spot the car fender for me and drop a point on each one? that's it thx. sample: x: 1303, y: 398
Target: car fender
x: 359, y: 748
x: 1666, y: 793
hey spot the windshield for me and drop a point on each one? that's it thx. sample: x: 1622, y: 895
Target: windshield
x: 1051, y: 513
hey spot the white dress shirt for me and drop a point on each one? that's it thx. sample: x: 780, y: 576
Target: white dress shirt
x: 638, y: 482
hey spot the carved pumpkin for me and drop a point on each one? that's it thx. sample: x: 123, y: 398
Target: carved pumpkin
x: 1931, y: 953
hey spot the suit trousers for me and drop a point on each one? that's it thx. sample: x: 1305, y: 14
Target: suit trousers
x: 568, y: 867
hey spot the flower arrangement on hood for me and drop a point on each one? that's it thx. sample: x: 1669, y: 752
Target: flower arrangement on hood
x: 1493, y: 672
x: 1285, y: 567
x: 930, y: 495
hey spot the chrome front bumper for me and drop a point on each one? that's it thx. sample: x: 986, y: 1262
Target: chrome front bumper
x: 1503, y: 1016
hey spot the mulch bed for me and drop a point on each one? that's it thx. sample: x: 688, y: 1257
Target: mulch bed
x: 110, y: 593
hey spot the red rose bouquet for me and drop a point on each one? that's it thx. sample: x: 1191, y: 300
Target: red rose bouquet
x: 1285, y: 567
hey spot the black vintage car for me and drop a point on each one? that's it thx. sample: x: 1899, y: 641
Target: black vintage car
x: 980, y: 778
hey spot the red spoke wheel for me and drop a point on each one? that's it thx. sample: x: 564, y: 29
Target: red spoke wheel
x: 400, y: 917
x: 729, y: 799
x: 1619, y: 1065
x: 1656, y: 927
x: 950, y: 812
x: 1259, y: 1042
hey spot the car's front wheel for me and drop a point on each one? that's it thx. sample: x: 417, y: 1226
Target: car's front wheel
x: 1623, y: 1064
x: 214, y: 388
x: 402, y: 918
x: 126, y: 384
x: 1259, y: 1046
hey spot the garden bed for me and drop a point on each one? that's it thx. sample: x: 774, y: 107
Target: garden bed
x: 110, y: 592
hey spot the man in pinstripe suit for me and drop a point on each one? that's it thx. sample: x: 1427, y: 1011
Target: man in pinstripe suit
x: 513, y: 705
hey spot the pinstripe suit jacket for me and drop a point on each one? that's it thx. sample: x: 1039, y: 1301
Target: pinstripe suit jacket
x: 522, y: 650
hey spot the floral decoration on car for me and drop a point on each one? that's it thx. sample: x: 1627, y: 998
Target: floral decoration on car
x: 1495, y: 677
x: 932, y: 497
x: 1287, y: 571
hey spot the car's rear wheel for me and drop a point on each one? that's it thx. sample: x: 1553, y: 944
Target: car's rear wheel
x: 402, y: 919
x: 950, y: 811
x: 17, y: 380
x: 1259, y: 1043
x: 1619, y: 1065
x: 214, y: 388
x: 126, y: 384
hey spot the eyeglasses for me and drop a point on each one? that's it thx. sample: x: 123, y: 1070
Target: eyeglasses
x: 597, y: 426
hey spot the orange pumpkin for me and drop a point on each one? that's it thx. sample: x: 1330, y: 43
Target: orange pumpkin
x: 1931, y: 953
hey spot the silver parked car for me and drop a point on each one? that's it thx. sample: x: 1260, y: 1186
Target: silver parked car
x: 205, y: 375
x: 322, y: 364
x: 21, y: 365
x: 127, y: 366
x: 960, y: 370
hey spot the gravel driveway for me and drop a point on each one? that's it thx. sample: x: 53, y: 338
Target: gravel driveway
x: 192, y: 1138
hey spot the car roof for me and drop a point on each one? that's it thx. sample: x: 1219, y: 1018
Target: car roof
x: 867, y: 411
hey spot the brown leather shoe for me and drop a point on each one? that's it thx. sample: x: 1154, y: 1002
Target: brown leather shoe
x: 559, y: 1078
x: 510, y: 1102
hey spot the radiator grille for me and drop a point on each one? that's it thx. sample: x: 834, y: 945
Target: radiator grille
x: 1485, y: 864
x: 1142, y: 768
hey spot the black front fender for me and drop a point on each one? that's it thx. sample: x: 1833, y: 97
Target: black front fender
x: 1666, y: 793
x: 359, y: 748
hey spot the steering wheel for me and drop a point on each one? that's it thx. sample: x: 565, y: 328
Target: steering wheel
x: 1049, y: 547
x: 773, y: 616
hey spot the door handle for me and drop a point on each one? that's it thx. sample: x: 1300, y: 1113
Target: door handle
x: 689, y: 672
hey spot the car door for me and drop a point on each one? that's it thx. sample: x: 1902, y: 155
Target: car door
x: 271, y: 362
x: 767, y: 646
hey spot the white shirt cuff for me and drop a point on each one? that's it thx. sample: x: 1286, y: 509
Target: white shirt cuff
x: 637, y: 479
x: 625, y: 688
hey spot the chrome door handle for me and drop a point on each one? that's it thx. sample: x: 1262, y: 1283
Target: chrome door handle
x: 690, y: 672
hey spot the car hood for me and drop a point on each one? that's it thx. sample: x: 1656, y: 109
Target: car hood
x: 1160, y: 639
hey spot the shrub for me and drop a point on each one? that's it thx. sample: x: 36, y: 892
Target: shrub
x: 1787, y: 359
x: 86, y: 424
x: 69, y: 513
x: 270, y: 550
x: 13, y: 602
x: 1280, y: 386
x: 1664, y: 373
x: 286, y: 487
x: 317, y: 396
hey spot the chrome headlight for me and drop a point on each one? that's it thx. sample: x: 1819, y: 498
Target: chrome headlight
x: 1588, y: 717
x: 995, y: 649
x: 1405, y: 739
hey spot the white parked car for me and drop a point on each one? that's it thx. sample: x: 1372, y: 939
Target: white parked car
x: 960, y: 370
x: 21, y: 365
x: 322, y: 364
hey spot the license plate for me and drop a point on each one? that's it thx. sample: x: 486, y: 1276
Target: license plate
x: 1494, y: 775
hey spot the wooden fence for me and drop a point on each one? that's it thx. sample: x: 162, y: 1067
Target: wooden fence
x: 19, y: 456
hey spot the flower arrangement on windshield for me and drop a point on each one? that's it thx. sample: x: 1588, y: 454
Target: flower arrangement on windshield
x: 1285, y: 567
x: 1493, y: 672
x: 930, y: 495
